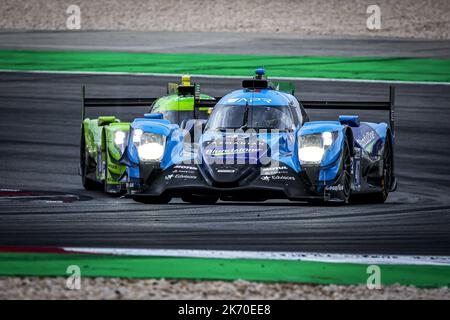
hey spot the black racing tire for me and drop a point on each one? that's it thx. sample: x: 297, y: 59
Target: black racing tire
x: 106, y: 174
x: 163, y: 199
x: 385, y: 182
x: 88, y: 184
x: 345, y: 179
x: 346, y: 167
x: 197, y: 199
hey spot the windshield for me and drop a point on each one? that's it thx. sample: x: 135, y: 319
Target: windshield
x: 251, y: 117
x: 177, y: 117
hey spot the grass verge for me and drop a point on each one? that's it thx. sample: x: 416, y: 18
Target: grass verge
x: 363, y: 68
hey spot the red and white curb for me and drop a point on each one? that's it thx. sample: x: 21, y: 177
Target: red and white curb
x: 369, y: 259
x: 275, y: 255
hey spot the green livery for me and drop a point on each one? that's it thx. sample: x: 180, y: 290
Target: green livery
x: 104, y: 139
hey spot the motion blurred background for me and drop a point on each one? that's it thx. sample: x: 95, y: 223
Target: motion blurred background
x: 402, y: 18
x: 44, y: 61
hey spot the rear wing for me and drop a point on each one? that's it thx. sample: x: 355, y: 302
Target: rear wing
x: 143, y: 102
x: 111, y: 102
x: 356, y: 105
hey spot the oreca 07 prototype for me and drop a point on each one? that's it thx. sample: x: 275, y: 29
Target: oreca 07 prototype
x: 104, y: 138
x: 259, y: 143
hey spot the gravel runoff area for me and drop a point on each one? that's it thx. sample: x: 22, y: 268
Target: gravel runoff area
x: 115, y: 288
x: 401, y: 18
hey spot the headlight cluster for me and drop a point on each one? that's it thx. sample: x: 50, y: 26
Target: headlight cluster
x: 120, y: 140
x: 312, y: 147
x: 150, y: 146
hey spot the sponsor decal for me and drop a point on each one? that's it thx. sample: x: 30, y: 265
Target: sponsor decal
x: 236, y: 150
x: 367, y: 138
x: 223, y: 152
x: 277, y: 178
x: 183, y: 171
x: 169, y: 177
x: 183, y: 167
x: 180, y: 176
x: 273, y: 170
x: 288, y: 178
x: 338, y: 187
x: 185, y: 176
x: 226, y: 170
x: 238, y: 100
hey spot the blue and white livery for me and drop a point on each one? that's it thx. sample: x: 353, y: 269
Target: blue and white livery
x: 260, y: 144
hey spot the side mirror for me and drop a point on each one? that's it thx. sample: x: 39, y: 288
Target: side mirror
x: 351, y: 121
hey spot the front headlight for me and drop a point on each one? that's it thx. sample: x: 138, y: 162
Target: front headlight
x: 120, y: 138
x: 150, y: 146
x: 312, y: 147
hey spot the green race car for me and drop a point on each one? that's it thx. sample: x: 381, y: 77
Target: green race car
x: 104, y: 139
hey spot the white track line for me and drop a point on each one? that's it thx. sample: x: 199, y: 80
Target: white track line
x: 34, y: 197
x: 434, y: 83
x: 277, y: 255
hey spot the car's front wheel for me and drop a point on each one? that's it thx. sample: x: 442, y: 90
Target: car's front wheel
x: 346, y: 178
x: 386, y: 180
x: 344, y: 181
x: 88, y: 184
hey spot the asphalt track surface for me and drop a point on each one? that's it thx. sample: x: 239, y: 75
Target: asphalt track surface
x: 225, y: 43
x: 39, y: 151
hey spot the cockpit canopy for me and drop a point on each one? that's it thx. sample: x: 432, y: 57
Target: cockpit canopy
x: 226, y: 116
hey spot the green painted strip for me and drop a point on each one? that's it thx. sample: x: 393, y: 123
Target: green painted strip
x: 51, y: 264
x: 367, y: 68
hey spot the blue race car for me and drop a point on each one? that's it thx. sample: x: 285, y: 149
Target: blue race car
x: 259, y: 144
